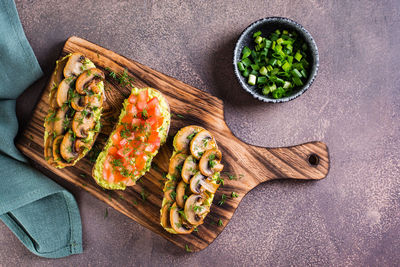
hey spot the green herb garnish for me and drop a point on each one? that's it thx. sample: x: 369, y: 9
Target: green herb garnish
x: 222, y: 201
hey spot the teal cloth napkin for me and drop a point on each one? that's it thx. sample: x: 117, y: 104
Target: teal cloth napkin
x: 43, y: 215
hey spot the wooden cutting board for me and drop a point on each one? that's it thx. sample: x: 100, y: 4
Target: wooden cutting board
x: 246, y: 166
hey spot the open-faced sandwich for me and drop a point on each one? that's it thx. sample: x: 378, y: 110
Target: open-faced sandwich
x: 141, y: 129
x: 193, y: 172
x: 75, y: 107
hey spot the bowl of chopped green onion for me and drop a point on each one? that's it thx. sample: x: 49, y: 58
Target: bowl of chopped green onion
x: 275, y: 59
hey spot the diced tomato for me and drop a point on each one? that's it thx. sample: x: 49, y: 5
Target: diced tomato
x: 160, y: 121
x: 151, y: 148
x: 131, y: 137
x: 132, y: 99
x: 112, y: 150
x: 131, y: 109
x: 152, y: 103
x: 107, y: 171
x: 116, y: 137
x: 152, y: 120
x: 136, y: 122
x: 140, y: 148
x: 123, y: 142
x: 154, y: 112
x: 141, y: 161
x: 127, y: 118
x: 119, y: 177
x: 142, y: 100
x: 153, y: 137
x: 124, y: 152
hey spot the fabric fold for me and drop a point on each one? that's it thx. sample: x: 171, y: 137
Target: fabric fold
x: 44, y: 216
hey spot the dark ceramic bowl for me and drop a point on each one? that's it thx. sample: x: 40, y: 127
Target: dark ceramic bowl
x: 267, y: 26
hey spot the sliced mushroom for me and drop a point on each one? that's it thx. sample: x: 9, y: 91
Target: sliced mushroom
x: 62, y: 91
x: 189, y: 168
x: 56, y: 152
x: 175, y: 165
x: 83, y: 122
x: 78, y: 102
x: 61, y: 121
x: 195, y: 210
x: 180, y: 193
x: 94, y: 100
x: 199, y: 183
x: 48, y: 148
x: 183, y: 137
x: 177, y: 223
x: 76, y: 64
x: 165, y: 216
x: 202, y: 142
x: 210, y: 162
x: 67, y: 147
x: 55, y: 80
x: 169, y: 188
x: 80, y: 145
x: 84, y: 81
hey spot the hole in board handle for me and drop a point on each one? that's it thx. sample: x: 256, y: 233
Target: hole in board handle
x: 313, y: 159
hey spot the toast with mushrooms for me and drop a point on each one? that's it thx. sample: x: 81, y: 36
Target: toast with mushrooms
x: 142, y: 128
x: 73, y: 119
x: 193, y: 172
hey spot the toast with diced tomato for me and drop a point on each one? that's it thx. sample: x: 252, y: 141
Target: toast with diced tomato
x: 142, y: 128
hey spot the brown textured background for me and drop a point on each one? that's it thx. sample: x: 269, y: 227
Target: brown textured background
x: 350, y: 218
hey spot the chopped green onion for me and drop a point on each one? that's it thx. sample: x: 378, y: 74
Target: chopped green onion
x: 245, y: 73
x: 263, y: 71
x: 246, y: 52
x: 298, y: 56
x: 261, y: 80
x: 254, y: 72
x: 252, y: 79
x: 255, y: 67
x: 240, y: 66
x: 286, y: 85
x: 296, y: 73
x: 246, y: 62
x: 258, y: 40
x: 256, y: 34
x: 286, y: 67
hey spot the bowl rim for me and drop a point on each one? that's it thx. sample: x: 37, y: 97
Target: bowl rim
x: 298, y: 27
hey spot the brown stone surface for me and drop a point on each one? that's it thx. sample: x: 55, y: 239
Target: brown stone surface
x: 350, y: 218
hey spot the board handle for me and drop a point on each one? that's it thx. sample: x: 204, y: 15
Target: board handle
x: 305, y: 161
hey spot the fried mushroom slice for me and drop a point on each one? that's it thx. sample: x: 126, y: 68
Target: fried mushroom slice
x: 67, y: 147
x: 84, y: 82
x: 169, y: 193
x: 62, y: 91
x: 175, y: 165
x: 58, y: 159
x: 189, y: 168
x: 76, y: 64
x: 78, y: 102
x: 202, y: 142
x: 177, y: 223
x: 195, y: 210
x: 165, y: 216
x: 210, y: 162
x: 199, y: 183
x: 183, y: 137
x: 83, y: 122
x: 61, y: 120
x: 180, y: 193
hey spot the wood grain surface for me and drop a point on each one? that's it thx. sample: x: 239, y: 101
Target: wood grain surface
x: 246, y: 166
